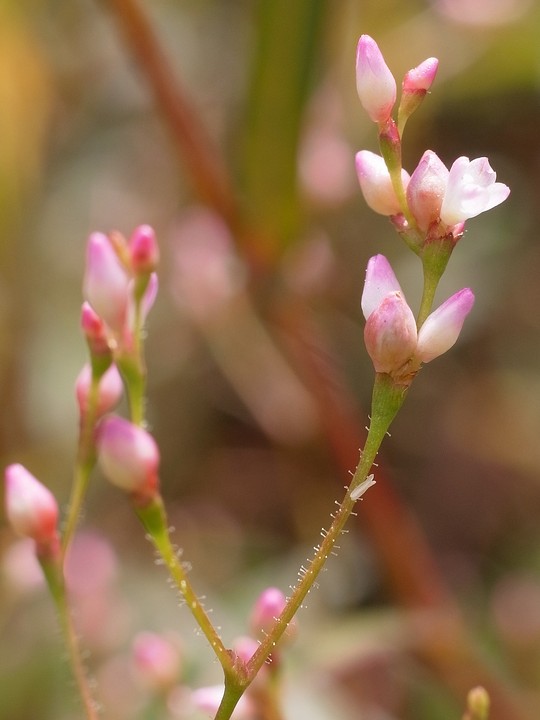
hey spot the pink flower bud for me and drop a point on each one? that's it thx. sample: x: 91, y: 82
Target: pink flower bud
x: 421, y: 78
x: 109, y: 392
x: 129, y: 456
x: 426, y: 190
x: 105, y: 282
x: 441, y: 329
x: 380, y: 281
x: 95, y: 331
x: 30, y: 507
x: 471, y: 190
x: 390, y: 334
x: 245, y: 647
x: 143, y: 250
x: 375, y: 83
x: 376, y: 184
x: 267, y: 609
x: 156, y: 660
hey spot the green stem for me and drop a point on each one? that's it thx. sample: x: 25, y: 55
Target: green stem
x: 387, y: 399
x: 133, y: 368
x: 231, y: 696
x: 154, y: 520
x: 84, y: 464
x: 428, y: 295
x: 53, y: 574
x: 435, y: 257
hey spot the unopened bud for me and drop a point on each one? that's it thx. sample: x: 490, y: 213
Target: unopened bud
x: 375, y: 83
x: 269, y: 606
x: 415, y: 85
x: 109, y: 390
x: 376, y: 183
x: 144, y: 250
x: 128, y: 456
x: 156, y: 660
x: 31, y: 508
x: 106, y: 282
x: 477, y: 704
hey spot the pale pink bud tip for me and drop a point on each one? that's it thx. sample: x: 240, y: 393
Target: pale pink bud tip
x: 105, y: 284
x: 375, y: 83
x: 30, y: 507
x: 376, y: 184
x: 380, y: 282
x: 471, y: 190
x: 144, y: 250
x: 128, y: 455
x: 109, y: 390
x: 421, y: 78
x: 156, y: 660
x: 442, y: 328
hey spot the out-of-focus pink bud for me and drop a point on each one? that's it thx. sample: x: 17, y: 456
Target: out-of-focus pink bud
x: 380, y: 281
x: 325, y: 167
x: 376, y: 184
x: 442, y: 328
x: 109, y: 392
x: 128, y: 456
x: 207, y: 273
x: 106, y: 282
x: 483, y: 13
x: 245, y: 647
x: 426, y: 190
x: 208, y: 699
x: 156, y: 660
x: 30, y: 507
x: 390, y: 334
x: 95, y: 331
x: 143, y: 250
x: 267, y: 609
x: 375, y: 83
x: 472, y: 189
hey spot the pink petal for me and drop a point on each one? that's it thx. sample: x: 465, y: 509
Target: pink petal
x: 380, y: 281
x: 442, y: 328
x: 375, y: 83
x: 376, y: 184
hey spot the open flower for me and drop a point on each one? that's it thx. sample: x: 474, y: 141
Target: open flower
x: 471, y: 189
x: 392, y: 340
x: 436, y: 194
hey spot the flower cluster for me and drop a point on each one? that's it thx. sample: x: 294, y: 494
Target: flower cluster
x: 119, y: 282
x: 392, y: 339
x: 428, y: 208
x: 433, y: 202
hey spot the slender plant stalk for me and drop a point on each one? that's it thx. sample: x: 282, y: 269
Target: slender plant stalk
x: 83, y: 466
x: 55, y: 581
x: 154, y: 520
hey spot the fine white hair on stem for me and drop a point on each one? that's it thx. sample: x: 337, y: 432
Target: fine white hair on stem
x: 362, y: 488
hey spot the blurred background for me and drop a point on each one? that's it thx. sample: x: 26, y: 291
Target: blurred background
x: 231, y: 127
